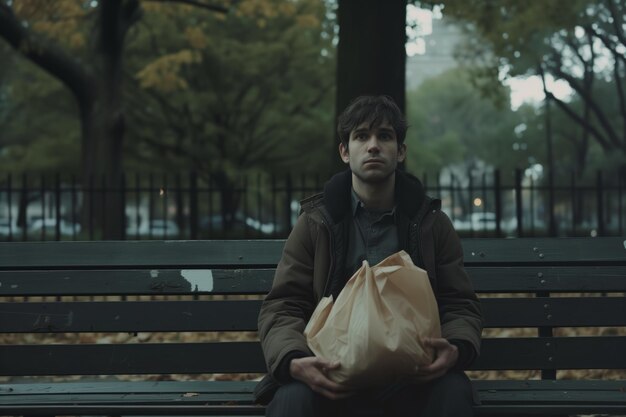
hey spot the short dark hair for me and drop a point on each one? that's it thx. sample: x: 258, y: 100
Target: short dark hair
x: 373, y: 110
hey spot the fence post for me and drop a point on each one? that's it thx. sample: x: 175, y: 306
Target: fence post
x: 163, y: 194
x: 23, y: 213
x: 288, y: 199
x: 574, y: 206
x: 620, y: 195
x: 42, y: 196
x: 498, y: 201
x: 103, y: 206
x: 123, y: 205
x: 518, y: 201
x: 470, y: 196
x: 92, y: 183
x: 274, y: 218
x: 57, y: 205
x: 75, y: 217
x: 180, y: 219
x: 193, y: 206
x: 150, y: 203
x: 600, y: 204
x: 10, y: 201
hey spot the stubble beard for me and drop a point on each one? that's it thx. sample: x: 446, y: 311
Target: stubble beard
x: 376, y: 179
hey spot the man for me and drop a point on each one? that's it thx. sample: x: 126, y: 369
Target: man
x: 368, y: 212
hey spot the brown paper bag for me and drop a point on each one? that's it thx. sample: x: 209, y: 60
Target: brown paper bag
x: 376, y: 327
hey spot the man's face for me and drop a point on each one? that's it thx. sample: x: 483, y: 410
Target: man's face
x: 373, y: 154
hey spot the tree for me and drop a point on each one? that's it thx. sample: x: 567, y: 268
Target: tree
x: 371, y: 54
x: 239, y: 94
x: 581, y: 42
x: 452, y: 123
x: 95, y: 81
x: 83, y: 45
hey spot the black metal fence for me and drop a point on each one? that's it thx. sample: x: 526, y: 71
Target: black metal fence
x: 189, y: 206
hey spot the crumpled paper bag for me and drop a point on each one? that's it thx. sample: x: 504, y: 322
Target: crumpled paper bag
x: 377, y: 325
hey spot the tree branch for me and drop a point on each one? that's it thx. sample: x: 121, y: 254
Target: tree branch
x: 611, y: 46
x: 195, y: 3
x: 592, y: 104
x: 606, y: 145
x: 617, y: 18
x: 620, y: 95
x: 47, y: 56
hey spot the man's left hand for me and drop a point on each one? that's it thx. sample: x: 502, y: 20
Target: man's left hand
x: 446, y: 355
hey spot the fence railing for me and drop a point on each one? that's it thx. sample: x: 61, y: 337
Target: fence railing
x: 190, y: 206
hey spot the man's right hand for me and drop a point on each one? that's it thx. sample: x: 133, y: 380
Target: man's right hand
x: 313, y: 371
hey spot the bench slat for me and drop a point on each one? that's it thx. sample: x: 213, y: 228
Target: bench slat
x: 241, y: 315
x: 548, y: 278
x: 124, y: 387
x: 496, y: 396
x: 146, y: 253
x: 246, y: 357
x: 604, y: 352
x: 111, y: 254
x: 136, y: 358
x: 259, y: 281
x: 546, y: 250
x: 130, y: 316
x: 554, y: 312
x: 173, y: 409
x: 136, y: 282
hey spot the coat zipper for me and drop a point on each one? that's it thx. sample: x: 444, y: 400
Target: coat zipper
x: 332, y: 257
x: 418, y: 227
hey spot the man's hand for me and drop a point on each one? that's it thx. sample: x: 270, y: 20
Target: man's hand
x: 446, y: 355
x: 313, y: 371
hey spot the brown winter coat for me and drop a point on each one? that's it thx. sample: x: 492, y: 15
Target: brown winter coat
x: 313, y: 259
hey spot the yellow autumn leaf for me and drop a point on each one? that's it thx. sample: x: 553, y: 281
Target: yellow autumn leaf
x: 307, y: 21
x: 195, y: 37
x: 163, y: 73
x: 287, y: 9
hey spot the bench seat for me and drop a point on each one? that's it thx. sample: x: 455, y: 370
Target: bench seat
x: 538, y: 397
x: 546, y: 294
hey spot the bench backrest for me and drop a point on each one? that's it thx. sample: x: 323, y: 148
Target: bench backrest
x: 524, y: 283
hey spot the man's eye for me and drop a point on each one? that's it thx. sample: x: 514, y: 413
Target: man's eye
x: 361, y: 136
x: 385, y: 136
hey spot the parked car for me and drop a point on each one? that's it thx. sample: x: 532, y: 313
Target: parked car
x: 9, y: 228
x: 65, y: 228
x: 240, y: 224
x: 158, y: 228
x: 484, y: 221
x: 263, y: 228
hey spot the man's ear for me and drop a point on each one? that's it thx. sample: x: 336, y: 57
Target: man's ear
x: 343, y: 152
x: 402, y: 152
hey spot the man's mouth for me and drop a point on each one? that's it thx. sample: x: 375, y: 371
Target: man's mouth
x: 374, y: 161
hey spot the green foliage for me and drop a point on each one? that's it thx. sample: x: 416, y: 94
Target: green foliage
x: 40, y: 127
x: 580, y: 42
x: 243, y: 96
x: 452, y: 123
x: 252, y: 89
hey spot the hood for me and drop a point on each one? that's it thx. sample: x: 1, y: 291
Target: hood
x: 409, y: 194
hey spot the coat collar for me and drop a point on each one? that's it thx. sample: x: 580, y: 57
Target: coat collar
x: 409, y: 193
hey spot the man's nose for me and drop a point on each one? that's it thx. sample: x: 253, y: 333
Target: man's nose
x: 372, y: 144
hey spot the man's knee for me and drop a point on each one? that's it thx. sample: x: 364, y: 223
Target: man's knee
x: 295, y: 399
x: 450, y: 395
x: 452, y: 384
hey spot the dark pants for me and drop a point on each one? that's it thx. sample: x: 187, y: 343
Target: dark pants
x: 450, y: 395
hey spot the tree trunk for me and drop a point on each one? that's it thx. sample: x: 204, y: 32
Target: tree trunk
x: 229, y: 199
x: 104, y: 143
x: 371, y: 54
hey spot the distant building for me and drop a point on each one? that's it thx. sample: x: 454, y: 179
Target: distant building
x: 439, y: 54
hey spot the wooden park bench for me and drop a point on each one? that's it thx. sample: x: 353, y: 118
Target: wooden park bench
x: 53, y: 309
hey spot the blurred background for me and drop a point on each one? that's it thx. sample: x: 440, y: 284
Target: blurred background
x: 206, y: 119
